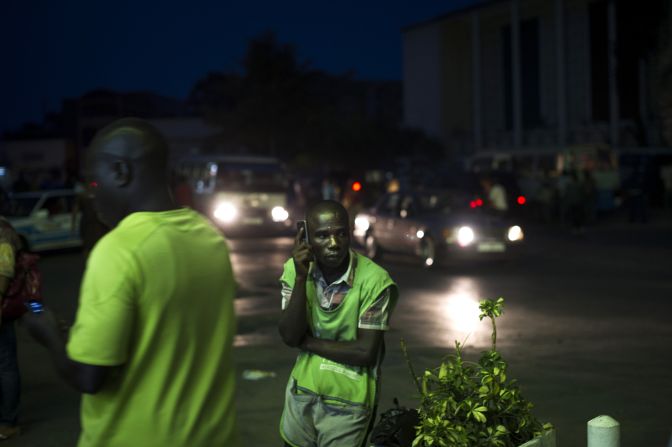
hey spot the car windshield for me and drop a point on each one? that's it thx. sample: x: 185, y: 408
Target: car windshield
x: 19, y: 207
x: 251, y: 178
x: 442, y: 201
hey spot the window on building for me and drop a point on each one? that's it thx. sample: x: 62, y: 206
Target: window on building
x: 530, y: 80
x: 599, y: 60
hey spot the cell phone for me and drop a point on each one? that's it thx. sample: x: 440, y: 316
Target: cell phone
x: 302, y: 224
x: 35, y: 306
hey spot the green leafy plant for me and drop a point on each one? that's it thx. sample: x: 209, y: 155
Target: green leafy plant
x: 467, y: 404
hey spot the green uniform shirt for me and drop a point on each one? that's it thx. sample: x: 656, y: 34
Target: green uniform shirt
x: 345, y: 383
x: 157, y: 299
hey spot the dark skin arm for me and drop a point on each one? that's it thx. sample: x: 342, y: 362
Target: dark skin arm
x: 293, y: 324
x: 360, y: 352
x: 4, y: 284
x: 88, y: 379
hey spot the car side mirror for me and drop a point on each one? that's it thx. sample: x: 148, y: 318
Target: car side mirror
x: 42, y: 214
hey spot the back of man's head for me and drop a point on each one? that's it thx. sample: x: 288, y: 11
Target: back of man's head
x: 133, y: 139
x: 128, y: 161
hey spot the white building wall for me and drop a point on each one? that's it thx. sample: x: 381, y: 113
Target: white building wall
x: 422, y: 79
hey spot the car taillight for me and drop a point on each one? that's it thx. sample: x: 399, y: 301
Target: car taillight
x: 476, y: 203
x: 521, y: 200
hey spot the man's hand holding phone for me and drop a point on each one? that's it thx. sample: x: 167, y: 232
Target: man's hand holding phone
x: 302, y: 253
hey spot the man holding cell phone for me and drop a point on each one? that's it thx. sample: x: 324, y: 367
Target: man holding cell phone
x: 336, y: 308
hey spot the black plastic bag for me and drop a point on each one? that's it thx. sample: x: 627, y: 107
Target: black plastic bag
x: 396, y: 427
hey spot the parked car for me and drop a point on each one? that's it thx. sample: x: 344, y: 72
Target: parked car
x: 44, y: 219
x: 435, y: 224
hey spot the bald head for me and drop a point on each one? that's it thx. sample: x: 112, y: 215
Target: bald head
x: 326, y: 208
x: 128, y: 163
x: 131, y: 138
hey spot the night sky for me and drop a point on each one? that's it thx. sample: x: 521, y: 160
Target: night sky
x: 56, y: 49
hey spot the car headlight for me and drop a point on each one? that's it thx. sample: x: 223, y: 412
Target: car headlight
x: 465, y: 236
x: 225, y: 212
x: 362, y: 224
x: 515, y: 233
x: 279, y: 214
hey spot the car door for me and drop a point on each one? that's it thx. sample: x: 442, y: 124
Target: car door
x: 53, y: 222
x: 388, y: 212
x: 406, y: 226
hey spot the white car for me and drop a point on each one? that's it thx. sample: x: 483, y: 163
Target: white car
x: 44, y: 219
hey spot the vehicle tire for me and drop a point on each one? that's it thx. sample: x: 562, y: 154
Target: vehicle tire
x: 428, y: 251
x: 371, y: 247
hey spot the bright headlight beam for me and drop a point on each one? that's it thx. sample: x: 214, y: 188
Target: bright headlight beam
x: 515, y: 233
x: 362, y: 223
x: 420, y: 234
x: 226, y: 212
x: 465, y: 236
x: 279, y: 214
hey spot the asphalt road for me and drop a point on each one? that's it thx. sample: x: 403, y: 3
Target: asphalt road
x: 586, y: 331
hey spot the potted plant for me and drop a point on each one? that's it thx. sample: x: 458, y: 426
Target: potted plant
x: 467, y: 404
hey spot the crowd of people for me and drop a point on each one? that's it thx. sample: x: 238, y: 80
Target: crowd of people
x: 151, y: 349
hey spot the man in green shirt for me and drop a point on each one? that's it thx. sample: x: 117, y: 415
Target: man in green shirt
x: 336, y: 308
x: 151, y: 347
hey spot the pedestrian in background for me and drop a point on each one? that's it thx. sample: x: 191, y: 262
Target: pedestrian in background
x: 151, y: 347
x: 336, y: 308
x: 495, y: 195
x: 10, y: 380
x: 89, y: 226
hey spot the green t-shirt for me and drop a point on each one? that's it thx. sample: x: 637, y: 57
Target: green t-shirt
x: 157, y: 300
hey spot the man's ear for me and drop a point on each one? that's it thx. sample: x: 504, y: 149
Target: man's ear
x: 122, y: 172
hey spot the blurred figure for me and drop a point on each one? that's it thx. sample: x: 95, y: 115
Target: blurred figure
x: 562, y: 181
x: 353, y: 199
x: 21, y: 184
x: 666, y: 177
x: 330, y: 190
x: 90, y: 227
x: 545, y: 198
x: 53, y: 181
x: 635, y: 195
x: 589, y: 189
x: 182, y: 192
x: 575, y: 201
x: 393, y: 185
x: 495, y: 195
x: 151, y: 348
x: 10, y: 380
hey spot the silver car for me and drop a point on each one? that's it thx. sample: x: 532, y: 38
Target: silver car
x: 433, y: 225
x: 45, y: 220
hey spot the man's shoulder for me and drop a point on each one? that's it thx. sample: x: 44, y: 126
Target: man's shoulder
x: 368, y: 264
x: 368, y: 270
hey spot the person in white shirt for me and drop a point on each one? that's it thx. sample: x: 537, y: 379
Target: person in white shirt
x: 495, y: 194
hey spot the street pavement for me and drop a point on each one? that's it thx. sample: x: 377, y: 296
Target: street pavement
x: 585, y: 332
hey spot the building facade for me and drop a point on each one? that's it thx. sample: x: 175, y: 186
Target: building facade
x: 525, y: 74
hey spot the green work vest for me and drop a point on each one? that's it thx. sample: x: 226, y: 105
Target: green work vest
x: 331, y: 380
